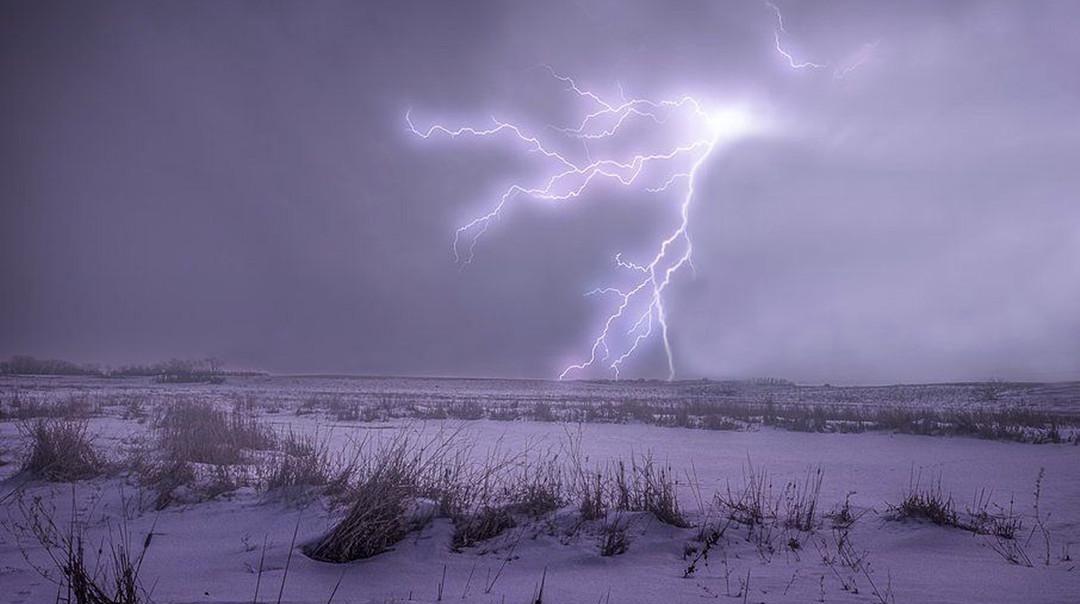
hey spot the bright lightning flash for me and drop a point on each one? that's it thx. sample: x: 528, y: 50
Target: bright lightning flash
x: 637, y: 309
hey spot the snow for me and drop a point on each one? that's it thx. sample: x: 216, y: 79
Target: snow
x: 209, y: 552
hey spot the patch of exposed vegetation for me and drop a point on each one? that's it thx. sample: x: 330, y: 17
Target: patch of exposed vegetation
x: 61, y: 450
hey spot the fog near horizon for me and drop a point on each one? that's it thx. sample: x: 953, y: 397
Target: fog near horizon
x: 238, y: 180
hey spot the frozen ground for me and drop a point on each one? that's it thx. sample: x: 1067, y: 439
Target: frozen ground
x: 286, y: 390
x: 209, y: 551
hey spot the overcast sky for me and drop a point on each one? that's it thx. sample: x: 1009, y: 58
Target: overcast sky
x: 237, y: 179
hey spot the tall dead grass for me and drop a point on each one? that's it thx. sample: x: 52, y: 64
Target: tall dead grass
x: 61, y: 450
x: 111, y: 576
x: 389, y: 477
x: 304, y: 466
x: 200, y: 432
x: 201, y: 451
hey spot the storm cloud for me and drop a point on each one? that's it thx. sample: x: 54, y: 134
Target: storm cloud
x: 237, y: 180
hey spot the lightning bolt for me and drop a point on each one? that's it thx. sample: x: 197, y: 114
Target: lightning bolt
x: 637, y: 311
x: 777, y: 34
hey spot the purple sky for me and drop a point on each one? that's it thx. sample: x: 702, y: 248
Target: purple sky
x: 236, y: 179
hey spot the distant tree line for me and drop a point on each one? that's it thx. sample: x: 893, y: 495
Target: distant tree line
x: 27, y: 365
x: 171, y: 371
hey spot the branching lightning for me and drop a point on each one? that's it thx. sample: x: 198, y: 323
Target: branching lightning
x: 638, y: 310
x: 636, y: 307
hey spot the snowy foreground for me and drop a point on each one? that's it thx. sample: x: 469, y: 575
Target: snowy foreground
x: 210, y: 551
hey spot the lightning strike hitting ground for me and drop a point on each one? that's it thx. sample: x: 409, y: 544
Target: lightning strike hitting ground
x: 638, y: 310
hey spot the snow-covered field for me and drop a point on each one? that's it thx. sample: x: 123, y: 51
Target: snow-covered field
x: 210, y: 551
x: 289, y: 390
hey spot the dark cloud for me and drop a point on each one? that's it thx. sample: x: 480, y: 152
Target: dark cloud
x: 184, y: 179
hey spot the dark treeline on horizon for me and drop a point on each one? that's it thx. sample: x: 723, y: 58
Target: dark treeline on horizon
x: 178, y: 370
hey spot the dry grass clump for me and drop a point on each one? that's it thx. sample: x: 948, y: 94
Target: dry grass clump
x: 482, y: 525
x: 305, y: 462
x: 844, y: 516
x: 1000, y: 524
x: 72, y: 407
x: 538, y: 488
x: 376, y: 519
x: 503, y: 492
x: 801, y: 501
x: 641, y: 486
x: 202, y: 433
x: 614, y: 537
x: 511, y: 490
x: 200, y: 451
x: 178, y: 481
x: 592, y: 501
x: 165, y: 479
x: 756, y: 507
x: 754, y: 503
x: 408, y: 473
x: 985, y: 517
x: 648, y: 487
x: 926, y: 503
x: 344, y: 411
x: 111, y: 578
x: 787, y: 517
x: 61, y: 450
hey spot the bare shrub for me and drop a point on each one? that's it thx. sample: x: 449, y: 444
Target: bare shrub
x: 61, y: 450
